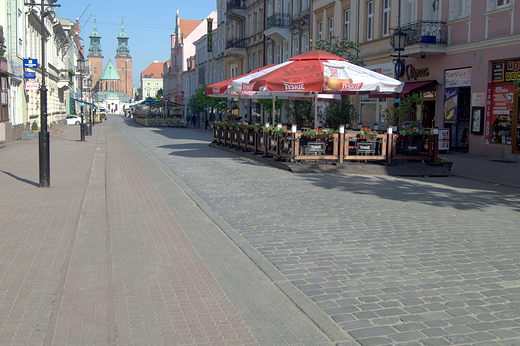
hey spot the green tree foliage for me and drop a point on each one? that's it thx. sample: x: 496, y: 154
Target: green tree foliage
x: 198, y: 101
x: 300, y: 112
x: 159, y: 94
x: 406, y: 110
x: 339, y: 113
x: 340, y: 47
x: 267, y: 105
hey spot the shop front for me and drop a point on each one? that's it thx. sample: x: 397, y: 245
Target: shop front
x: 502, y: 120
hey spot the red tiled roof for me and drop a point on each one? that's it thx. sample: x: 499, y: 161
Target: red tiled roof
x: 188, y: 25
x: 154, y: 70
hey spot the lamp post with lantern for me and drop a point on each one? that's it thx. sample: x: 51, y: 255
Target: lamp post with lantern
x: 81, y: 69
x: 398, y: 43
x: 43, y: 136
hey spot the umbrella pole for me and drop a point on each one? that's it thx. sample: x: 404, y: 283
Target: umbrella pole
x: 274, y: 100
x: 315, y: 109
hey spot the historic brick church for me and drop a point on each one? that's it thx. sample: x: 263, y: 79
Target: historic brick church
x: 112, y: 84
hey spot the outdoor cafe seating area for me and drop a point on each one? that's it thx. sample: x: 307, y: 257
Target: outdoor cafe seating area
x: 326, y: 146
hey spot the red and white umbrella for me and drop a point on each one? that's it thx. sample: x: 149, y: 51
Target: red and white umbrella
x: 316, y: 71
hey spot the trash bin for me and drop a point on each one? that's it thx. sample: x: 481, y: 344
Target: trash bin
x: 88, y: 129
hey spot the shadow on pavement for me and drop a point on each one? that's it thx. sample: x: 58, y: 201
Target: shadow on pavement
x: 435, y: 193
x: 21, y: 179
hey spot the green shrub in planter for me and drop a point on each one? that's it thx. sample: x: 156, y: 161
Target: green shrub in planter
x: 34, y: 126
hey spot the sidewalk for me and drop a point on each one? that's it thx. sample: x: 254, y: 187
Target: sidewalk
x: 504, y: 172
x: 101, y: 257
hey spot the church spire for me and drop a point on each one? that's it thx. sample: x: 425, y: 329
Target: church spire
x: 122, y: 42
x: 94, y: 48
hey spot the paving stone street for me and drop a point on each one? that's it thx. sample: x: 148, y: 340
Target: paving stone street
x: 174, y: 242
x: 431, y: 261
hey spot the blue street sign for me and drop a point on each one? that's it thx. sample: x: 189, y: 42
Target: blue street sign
x: 29, y: 75
x: 30, y: 63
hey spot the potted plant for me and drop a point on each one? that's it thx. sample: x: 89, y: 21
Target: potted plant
x: 367, y: 133
x: 34, y: 126
x: 445, y: 162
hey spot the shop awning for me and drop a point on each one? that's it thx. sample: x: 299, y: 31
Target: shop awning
x: 409, y: 86
x: 84, y: 102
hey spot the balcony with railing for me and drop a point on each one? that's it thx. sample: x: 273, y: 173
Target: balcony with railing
x: 236, y: 10
x: 236, y: 47
x: 425, y: 36
x: 278, y: 27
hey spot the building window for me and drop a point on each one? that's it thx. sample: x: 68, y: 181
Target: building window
x: 296, y: 7
x: 259, y: 58
x: 346, y: 24
x: 305, y: 5
x: 122, y: 70
x: 320, y: 29
x: 458, y: 9
x: 496, y: 4
x: 370, y: 20
x: 295, y: 46
x: 331, y: 29
x: 148, y: 83
x: 95, y: 69
x: 386, y: 18
x: 156, y: 83
x: 305, y: 43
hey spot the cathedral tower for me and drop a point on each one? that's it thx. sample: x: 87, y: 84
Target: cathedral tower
x: 124, y: 62
x: 95, y: 57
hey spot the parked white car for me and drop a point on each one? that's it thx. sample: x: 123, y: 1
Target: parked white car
x: 73, y: 120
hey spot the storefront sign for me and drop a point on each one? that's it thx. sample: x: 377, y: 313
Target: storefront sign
x: 210, y: 34
x: 32, y: 86
x: 16, y: 69
x: 30, y: 63
x: 458, y: 78
x: 450, y: 105
x: 384, y: 69
x: 487, y: 123
x: 506, y: 71
x: 413, y: 73
x: 478, y: 100
x: 29, y: 75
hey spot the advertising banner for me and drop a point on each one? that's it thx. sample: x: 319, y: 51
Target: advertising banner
x: 506, y: 71
x: 450, y: 105
x: 487, y: 123
x: 502, y: 102
x: 30, y: 63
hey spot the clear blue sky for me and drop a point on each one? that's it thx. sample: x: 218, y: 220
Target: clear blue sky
x: 148, y: 25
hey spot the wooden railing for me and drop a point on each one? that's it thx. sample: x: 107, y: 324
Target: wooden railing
x: 337, y: 147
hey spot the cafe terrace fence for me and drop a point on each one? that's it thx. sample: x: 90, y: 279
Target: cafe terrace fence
x: 330, y: 148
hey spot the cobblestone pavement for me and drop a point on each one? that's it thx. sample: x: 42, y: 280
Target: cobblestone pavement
x: 392, y: 261
x: 114, y: 252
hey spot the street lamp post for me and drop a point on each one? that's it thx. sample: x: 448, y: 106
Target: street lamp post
x: 43, y: 136
x: 89, y: 84
x: 81, y: 68
x: 399, y: 43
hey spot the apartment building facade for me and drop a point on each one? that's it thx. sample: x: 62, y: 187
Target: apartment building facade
x: 462, y: 56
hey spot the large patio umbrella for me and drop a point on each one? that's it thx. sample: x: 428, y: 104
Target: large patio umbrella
x: 316, y: 71
x: 223, y: 89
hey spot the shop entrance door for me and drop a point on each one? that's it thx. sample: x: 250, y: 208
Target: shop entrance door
x: 516, y: 128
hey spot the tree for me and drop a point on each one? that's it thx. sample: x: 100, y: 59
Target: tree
x: 159, y: 94
x: 267, y: 106
x: 342, y: 48
x: 339, y: 113
x: 301, y: 112
x: 406, y: 110
x: 197, y: 102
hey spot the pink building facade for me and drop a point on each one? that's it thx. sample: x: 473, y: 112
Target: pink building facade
x: 468, y: 82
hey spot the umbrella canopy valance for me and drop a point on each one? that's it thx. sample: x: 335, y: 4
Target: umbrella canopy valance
x: 316, y: 71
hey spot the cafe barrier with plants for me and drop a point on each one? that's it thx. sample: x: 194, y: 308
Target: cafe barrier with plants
x: 328, y: 146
